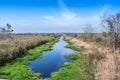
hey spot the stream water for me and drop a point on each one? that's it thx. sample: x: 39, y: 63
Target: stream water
x: 52, y: 60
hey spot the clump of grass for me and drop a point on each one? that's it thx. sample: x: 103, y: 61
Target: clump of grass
x: 72, y: 56
x: 95, y: 55
x: 18, y: 70
x: 71, y: 45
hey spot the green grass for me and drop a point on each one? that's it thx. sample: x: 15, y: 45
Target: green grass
x: 11, y: 49
x: 70, y: 45
x: 72, y: 56
x: 18, y: 70
x: 79, y: 69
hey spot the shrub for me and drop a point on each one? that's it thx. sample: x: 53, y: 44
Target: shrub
x: 20, y: 44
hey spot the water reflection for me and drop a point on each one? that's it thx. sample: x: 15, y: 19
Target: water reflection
x: 52, y: 60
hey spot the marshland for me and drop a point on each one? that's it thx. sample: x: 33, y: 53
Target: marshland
x: 59, y: 40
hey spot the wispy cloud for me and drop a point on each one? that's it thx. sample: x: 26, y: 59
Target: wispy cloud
x: 64, y: 21
x: 70, y: 18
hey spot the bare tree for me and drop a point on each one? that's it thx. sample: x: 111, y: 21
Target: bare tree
x: 88, y: 31
x: 112, y: 24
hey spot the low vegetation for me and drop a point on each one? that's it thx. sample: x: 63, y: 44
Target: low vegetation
x: 13, y: 48
x: 71, y: 45
x: 79, y: 69
x: 99, y: 53
x: 18, y: 70
x: 72, y: 56
x: 102, y: 49
x: 6, y: 31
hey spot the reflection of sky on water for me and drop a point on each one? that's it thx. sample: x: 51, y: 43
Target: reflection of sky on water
x: 52, y: 60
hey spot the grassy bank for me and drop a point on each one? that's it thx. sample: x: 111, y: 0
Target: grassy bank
x: 80, y: 69
x: 71, y: 45
x: 18, y: 70
x: 19, y: 44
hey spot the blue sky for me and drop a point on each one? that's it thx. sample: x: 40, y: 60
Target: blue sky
x: 54, y: 15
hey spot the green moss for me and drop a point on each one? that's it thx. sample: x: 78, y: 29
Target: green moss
x: 18, y: 70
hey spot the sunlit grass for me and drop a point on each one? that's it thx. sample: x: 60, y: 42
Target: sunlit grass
x: 17, y: 46
x: 18, y: 70
x: 79, y: 69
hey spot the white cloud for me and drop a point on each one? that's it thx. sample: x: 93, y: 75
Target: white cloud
x: 68, y: 18
x: 65, y: 21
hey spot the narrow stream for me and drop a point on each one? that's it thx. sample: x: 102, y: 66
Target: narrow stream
x: 52, y: 60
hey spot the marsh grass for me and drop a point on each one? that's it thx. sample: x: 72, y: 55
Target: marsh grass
x: 79, y: 69
x: 11, y: 49
x: 72, y: 56
x: 76, y: 70
x: 18, y: 70
x: 70, y: 45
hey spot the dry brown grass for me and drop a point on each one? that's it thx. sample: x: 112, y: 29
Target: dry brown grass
x: 107, y: 63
